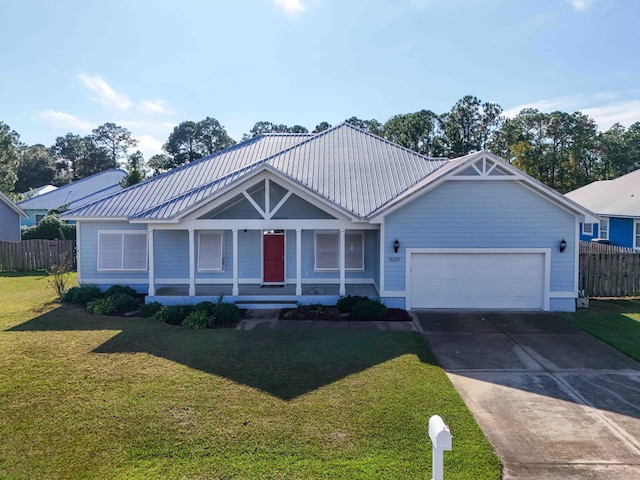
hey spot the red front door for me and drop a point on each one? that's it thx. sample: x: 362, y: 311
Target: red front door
x: 273, y: 258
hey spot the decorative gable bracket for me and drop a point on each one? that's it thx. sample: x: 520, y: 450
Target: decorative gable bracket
x: 486, y: 168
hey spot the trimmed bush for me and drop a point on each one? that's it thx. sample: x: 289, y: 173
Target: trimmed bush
x: 49, y: 228
x: 207, y: 307
x: 102, y: 306
x: 197, y: 320
x: 345, y: 304
x: 85, y: 294
x: 150, y: 309
x: 368, y: 309
x: 174, y: 314
x: 116, y: 289
x: 67, y: 296
x: 225, y: 312
x: 123, y: 302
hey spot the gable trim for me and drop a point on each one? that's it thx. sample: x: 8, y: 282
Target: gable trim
x: 247, y: 181
x: 439, y: 177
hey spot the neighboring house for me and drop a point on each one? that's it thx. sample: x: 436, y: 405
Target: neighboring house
x: 34, y: 192
x: 617, y: 204
x: 307, y: 218
x: 10, y: 215
x: 72, y: 195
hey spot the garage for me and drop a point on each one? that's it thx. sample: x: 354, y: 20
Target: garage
x: 487, y: 279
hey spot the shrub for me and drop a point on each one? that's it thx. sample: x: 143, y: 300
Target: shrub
x: 67, y: 296
x: 150, y: 309
x: 114, y: 289
x: 345, y: 304
x: 86, y: 293
x: 102, y: 306
x: 225, y: 312
x: 207, y: 307
x: 174, y: 314
x: 49, y: 228
x: 198, y: 319
x: 365, y: 309
x: 123, y: 302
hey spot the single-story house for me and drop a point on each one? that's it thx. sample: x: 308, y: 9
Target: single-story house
x: 617, y: 204
x: 311, y: 217
x: 10, y: 215
x: 72, y: 195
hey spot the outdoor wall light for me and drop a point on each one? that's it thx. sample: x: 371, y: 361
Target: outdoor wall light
x: 563, y: 245
x: 396, y: 245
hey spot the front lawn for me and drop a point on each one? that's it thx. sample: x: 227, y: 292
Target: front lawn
x: 85, y: 396
x: 617, y: 322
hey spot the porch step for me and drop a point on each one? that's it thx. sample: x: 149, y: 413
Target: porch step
x: 265, y: 304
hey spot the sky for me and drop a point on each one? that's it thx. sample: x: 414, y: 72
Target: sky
x: 147, y: 65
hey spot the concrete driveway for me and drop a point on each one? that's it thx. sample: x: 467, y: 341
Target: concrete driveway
x: 555, y: 402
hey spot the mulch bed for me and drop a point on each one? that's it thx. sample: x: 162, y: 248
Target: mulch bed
x: 313, y: 312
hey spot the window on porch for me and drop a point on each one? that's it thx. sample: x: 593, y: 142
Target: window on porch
x: 210, y: 251
x: 327, y: 248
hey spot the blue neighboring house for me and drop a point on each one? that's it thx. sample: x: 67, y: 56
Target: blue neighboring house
x: 72, y: 195
x: 617, y: 204
x: 284, y: 218
x: 10, y: 215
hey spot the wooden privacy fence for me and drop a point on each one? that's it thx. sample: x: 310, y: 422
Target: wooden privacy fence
x: 37, y: 254
x: 608, y: 271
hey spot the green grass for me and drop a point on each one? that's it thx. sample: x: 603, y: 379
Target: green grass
x: 86, y: 396
x: 617, y: 322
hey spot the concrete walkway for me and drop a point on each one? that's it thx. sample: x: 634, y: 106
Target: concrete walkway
x: 267, y: 320
x: 555, y: 402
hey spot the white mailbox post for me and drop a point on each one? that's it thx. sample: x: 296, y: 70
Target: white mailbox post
x: 441, y: 440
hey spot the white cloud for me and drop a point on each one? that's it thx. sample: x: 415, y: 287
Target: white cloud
x: 104, y: 93
x: 581, y: 5
x: 290, y: 7
x: 153, y: 107
x: 606, y: 108
x: 66, y: 120
x: 149, y: 146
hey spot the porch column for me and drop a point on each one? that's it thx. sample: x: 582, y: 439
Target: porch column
x: 152, y: 280
x: 192, y: 263
x: 343, y: 290
x: 298, y: 261
x: 235, y: 289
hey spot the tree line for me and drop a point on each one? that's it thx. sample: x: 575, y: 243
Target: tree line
x: 562, y: 150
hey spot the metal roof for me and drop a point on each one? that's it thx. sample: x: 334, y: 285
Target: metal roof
x: 355, y: 170
x: 78, y: 193
x: 190, y: 180
x: 619, y: 197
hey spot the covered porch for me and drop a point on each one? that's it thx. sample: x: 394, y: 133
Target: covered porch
x: 261, y: 296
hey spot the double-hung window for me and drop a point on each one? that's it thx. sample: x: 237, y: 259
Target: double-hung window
x: 210, y: 247
x: 604, y: 228
x: 636, y: 236
x: 327, y: 250
x: 122, y: 251
x: 587, y: 228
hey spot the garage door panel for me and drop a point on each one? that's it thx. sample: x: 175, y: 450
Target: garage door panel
x: 477, y: 280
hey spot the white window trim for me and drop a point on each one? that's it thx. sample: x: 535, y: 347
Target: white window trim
x: 584, y: 229
x: 123, y: 233
x: 337, y: 234
x: 636, y: 230
x: 604, y: 220
x: 211, y: 232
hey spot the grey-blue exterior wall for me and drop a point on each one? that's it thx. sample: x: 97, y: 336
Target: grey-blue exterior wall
x: 481, y: 214
x: 9, y: 224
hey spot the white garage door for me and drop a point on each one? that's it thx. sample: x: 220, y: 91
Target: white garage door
x: 477, y: 280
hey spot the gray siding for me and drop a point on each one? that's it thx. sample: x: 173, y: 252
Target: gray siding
x: 481, y: 214
x: 9, y: 224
